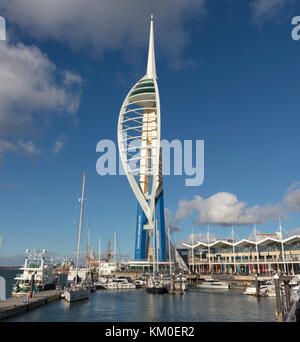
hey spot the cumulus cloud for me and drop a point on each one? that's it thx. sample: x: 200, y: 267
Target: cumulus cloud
x: 59, y: 145
x: 264, y: 10
x: 225, y: 209
x: 31, y: 88
x: 102, y: 25
x: 292, y: 197
x: 295, y: 231
x: 31, y: 83
x: 170, y: 223
x: 27, y: 147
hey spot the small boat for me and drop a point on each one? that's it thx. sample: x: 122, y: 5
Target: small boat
x: 119, y: 283
x: 76, y: 292
x: 37, y: 275
x: 156, y: 286
x: 213, y: 284
x: 139, y: 283
x: 99, y: 286
x: 266, y: 289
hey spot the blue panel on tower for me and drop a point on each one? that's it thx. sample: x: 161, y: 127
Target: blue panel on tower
x: 141, y: 234
x: 161, y: 232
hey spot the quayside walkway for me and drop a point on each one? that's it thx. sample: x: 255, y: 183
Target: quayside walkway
x: 17, y: 305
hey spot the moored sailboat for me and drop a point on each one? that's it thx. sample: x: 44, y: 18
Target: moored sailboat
x: 78, y: 290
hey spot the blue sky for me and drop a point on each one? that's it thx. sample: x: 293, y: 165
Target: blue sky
x: 228, y: 73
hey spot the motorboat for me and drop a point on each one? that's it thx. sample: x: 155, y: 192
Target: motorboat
x: 267, y: 289
x: 213, y: 284
x: 139, y: 283
x: 119, y: 283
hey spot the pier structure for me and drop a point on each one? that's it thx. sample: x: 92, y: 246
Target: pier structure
x: 265, y: 254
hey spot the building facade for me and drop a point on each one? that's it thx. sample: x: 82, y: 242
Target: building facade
x: 268, y: 255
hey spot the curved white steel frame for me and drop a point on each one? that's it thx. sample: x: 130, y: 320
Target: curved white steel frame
x: 139, y: 138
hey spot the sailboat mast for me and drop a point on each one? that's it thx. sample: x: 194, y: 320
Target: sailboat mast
x: 193, y: 249
x: 115, y: 249
x: 80, y: 226
x: 99, y: 245
x: 170, y: 259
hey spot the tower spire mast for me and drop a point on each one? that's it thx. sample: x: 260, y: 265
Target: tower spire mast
x: 151, y: 68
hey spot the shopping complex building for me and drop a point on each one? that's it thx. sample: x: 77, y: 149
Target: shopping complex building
x: 264, y: 254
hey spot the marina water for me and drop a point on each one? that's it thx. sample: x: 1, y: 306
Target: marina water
x: 196, y: 305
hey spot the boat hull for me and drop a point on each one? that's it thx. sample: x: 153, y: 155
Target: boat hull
x: 76, y: 295
x: 156, y: 290
x: 210, y: 286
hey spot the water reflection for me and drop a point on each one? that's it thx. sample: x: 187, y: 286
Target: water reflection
x: 198, y: 305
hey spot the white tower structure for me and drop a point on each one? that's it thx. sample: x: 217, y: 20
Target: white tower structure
x: 139, y: 147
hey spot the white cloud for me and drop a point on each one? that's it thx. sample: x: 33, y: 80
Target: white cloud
x: 170, y: 223
x: 264, y: 10
x: 225, y: 209
x: 295, y: 231
x: 103, y: 25
x: 292, y: 197
x: 59, y: 145
x: 29, y: 86
x: 31, y: 89
x: 27, y: 147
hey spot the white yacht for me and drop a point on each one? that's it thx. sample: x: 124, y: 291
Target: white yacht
x: 76, y: 292
x: 36, y: 268
x: 119, y: 283
x: 139, y: 283
x: 213, y: 284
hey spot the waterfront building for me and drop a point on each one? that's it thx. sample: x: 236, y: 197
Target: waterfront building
x: 264, y: 254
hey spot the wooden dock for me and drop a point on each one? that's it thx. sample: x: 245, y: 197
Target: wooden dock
x: 17, y: 305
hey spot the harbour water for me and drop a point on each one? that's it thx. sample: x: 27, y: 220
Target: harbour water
x: 196, y: 305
